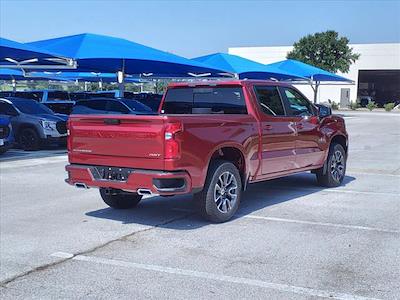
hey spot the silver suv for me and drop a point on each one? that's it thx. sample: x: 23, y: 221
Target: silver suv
x: 34, y: 124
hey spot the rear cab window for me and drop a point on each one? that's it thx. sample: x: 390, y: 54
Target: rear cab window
x: 205, y: 100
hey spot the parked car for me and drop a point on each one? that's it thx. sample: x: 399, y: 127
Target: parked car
x: 58, y: 101
x: 364, y: 100
x: 6, y: 134
x: 34, y: 124
x: 211, y: 139
x: 149, y: 99
x: 110, y: 106
x: 76, y: 96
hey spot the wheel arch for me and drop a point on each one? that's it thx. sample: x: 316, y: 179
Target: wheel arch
x: 233, y: 153
x: 24, y: 126
x: 341, y: 140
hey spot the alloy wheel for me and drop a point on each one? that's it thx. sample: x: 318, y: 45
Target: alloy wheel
x: 225, y: 192
x: 337, y: 166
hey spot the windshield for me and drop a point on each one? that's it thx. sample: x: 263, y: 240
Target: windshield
x: 31, y: 107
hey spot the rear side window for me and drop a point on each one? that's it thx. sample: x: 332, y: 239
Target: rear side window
x: 205, y: 100
x: 270, y: 101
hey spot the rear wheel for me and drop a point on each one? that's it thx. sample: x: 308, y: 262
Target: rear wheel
x: 119, y: 199
x: 333, y: 173
x: 28, y: 139
x: 220, y: 198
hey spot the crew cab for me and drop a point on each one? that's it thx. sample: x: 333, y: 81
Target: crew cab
x: 211, y: 139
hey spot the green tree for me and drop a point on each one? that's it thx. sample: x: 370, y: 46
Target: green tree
x: 325, y: 50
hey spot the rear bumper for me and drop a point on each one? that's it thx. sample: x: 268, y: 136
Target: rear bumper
x: 155, y: 181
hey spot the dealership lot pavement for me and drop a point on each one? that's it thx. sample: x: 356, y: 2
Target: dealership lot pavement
x: 290, y: 239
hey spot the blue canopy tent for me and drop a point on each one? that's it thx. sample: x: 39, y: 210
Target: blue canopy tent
x: 101, y: 53
x: 18, y: 55
x: 245, y: 68
x: 314, y: 75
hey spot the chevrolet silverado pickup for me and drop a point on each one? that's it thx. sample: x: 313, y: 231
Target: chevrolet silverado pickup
x: 210, y: 139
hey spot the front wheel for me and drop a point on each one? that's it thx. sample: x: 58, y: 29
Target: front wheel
x: 220, y: 198
x: 28, y: 139
x: 333, y: 173
x: 119, y: 199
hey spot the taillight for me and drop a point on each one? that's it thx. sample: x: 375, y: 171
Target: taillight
x: 172, y: 146
x: 68, y: 136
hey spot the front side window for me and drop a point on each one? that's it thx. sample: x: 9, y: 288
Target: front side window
x: 270, y: 101
x: 205, y: 100
x: 298, y: 104
x: 32, y: 107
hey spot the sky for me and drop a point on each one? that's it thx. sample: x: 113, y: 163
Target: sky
x: 194, y: 28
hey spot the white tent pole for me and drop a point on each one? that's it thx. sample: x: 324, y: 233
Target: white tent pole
x: 121, y: 80
x: 14, y: 85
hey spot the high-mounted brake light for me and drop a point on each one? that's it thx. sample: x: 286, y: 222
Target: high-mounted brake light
x: 172, y: 146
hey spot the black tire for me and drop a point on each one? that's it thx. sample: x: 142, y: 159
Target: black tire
x: 218, y: 204
x: 333, y: 172
x: 119, y: 199
x: 28, y: 139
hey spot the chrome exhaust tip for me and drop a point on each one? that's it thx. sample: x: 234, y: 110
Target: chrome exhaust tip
x: 144, y: 192
x: 81, y: 185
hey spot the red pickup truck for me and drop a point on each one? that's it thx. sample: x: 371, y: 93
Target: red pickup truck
x: 209, y: 138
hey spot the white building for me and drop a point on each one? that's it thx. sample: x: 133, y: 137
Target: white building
x: 376, y: 73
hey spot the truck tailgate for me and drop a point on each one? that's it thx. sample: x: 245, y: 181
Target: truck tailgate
x: 117, y: 140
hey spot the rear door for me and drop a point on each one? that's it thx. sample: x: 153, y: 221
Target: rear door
x: 309, y: 137
x: 278, y: 131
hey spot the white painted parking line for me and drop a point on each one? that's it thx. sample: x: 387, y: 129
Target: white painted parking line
x: 62, y: 255
x: 346, y: 226
x: 366, y: 228
x: 373, y: 174
x: 337, y: 190
x: 219, y: 277
x: 32, y: 162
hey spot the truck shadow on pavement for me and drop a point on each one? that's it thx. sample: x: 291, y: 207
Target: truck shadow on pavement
x: 179, y: 213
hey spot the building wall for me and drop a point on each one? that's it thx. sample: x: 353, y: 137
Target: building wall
x: 373, y: 57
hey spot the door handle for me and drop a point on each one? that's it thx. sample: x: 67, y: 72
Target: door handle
x: 268, y: 127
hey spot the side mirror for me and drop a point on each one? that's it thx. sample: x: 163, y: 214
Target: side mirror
x: 323, y: 111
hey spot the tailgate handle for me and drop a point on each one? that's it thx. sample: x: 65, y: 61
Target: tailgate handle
x: 112, y: 121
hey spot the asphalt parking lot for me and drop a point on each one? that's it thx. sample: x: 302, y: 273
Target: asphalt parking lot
x: 289, y: 240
